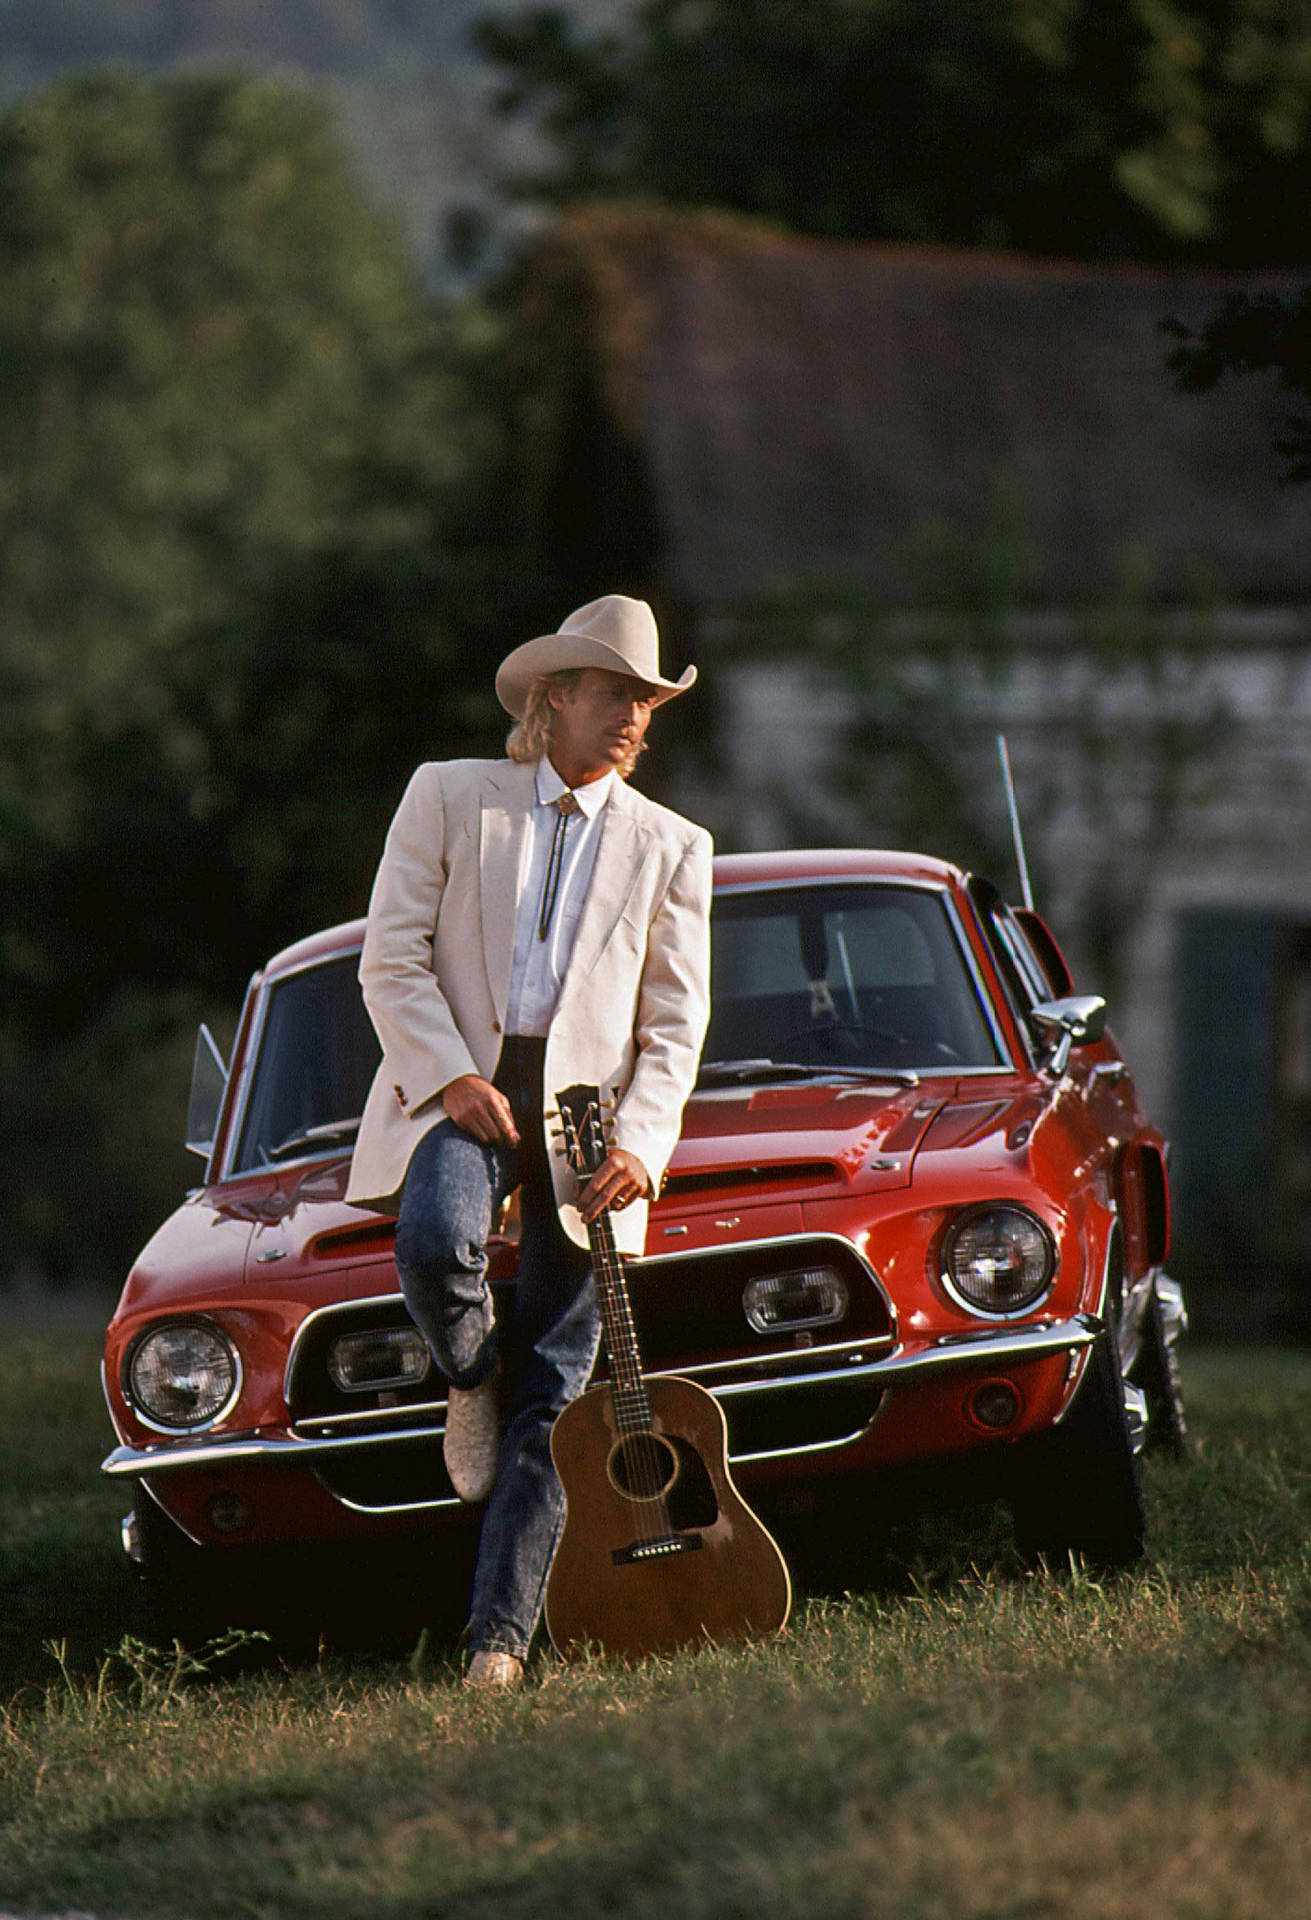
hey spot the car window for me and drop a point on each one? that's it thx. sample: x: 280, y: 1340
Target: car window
x: 860, y: 975
x: 1025, y: 982
x: 317, y: 1055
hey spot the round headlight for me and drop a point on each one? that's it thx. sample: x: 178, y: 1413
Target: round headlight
x: 998, y: 1260
x: 183, y: 1374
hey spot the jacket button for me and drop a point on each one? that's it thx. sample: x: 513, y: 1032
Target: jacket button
x: 496, y: 1026
x: 400, y: 1094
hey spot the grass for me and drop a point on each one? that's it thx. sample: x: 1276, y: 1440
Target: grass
x: 965, y: 1741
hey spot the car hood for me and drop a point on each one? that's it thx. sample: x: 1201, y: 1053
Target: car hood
x: 800, y: 1135
x: 267, y: 1228
x: 783, y: 1142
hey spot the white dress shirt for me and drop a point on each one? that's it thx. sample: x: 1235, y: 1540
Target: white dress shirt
x: 540, y: 965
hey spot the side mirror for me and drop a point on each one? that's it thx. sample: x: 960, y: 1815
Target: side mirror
x: 1074, y: 1022
x: 209, y: 1083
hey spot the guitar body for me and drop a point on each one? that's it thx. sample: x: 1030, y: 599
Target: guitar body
x: 658, y: 1550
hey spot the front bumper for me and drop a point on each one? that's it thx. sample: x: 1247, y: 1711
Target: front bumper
x: 855, y: 1386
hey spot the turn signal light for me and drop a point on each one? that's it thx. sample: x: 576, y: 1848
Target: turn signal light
x: 993, y: 1404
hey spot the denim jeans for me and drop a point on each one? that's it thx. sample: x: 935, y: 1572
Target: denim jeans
x: 453, y: 1190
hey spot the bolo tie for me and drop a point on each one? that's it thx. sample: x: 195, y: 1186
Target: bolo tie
x: 565, y: 806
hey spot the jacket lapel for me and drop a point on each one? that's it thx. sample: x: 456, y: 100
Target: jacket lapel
x: 506, y: 814
x: 619, y: 859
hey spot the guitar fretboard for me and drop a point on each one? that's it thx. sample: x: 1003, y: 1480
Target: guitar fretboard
x: 627, y: 1389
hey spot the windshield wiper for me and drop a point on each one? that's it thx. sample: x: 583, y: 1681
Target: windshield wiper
x: 899, y: 1076
x: 331, y: 1134
x: 720, y: 1073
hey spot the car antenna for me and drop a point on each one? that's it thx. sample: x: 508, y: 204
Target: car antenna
x: 1018, y: 837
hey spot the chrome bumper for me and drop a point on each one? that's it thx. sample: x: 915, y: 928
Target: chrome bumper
x: 1008, y: 1346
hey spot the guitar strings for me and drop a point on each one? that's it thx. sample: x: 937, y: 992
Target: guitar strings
x: 627, y: 1392
x: 628, y: 1395
x: 638, y: 1445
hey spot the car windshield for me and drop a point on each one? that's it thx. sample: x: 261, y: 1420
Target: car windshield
x: 857, y: 979
x: 317, y: 1055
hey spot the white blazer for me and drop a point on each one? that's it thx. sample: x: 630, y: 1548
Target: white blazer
x: 437, y: 958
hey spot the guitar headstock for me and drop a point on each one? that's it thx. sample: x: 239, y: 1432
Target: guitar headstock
x: 584, y: 1136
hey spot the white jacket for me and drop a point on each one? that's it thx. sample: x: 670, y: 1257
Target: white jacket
x: 436, y: 967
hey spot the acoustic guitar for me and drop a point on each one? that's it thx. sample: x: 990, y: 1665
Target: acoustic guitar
x: 658, y: 1550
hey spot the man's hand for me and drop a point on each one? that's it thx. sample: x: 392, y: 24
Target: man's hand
x: 618, y: 1181
x: 480, y: 1109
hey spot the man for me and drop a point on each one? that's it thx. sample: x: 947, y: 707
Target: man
x: 534, y: 923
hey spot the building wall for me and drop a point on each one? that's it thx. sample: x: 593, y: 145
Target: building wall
x: 1166, y: 802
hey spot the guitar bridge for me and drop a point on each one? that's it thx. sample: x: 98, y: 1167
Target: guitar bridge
x: 662, y: 1548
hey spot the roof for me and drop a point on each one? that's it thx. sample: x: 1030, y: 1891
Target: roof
x: 805, y: 409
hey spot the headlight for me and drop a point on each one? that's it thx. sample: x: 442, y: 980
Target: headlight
x: 184, y: 1374
x: 814, y: 1297
x: 998, y: 1260
x: 389, y: 1357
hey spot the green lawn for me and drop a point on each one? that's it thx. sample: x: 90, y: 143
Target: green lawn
x: 966, y: 1741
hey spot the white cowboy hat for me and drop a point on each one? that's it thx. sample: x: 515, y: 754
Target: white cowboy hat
x: 615, y: 633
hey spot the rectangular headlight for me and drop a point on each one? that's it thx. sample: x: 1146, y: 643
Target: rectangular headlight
x: 386, y: 1357
x: 812, y: 1297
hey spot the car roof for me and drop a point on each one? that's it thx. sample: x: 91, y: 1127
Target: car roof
x: 731, y: 870
x: 832, y: 863
x: 332, y: 943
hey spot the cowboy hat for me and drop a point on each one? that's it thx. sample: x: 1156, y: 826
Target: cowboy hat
x: 614, y: 633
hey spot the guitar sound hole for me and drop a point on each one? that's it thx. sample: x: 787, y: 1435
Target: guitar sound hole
x: 643, y: 1466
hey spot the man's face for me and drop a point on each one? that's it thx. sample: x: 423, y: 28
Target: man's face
x: 599, y: 723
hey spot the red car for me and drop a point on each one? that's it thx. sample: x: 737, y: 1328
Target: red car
x: 917, y: 1215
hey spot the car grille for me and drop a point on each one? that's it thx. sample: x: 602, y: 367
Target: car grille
x: 689, y: 1317
x: 688, y: 1306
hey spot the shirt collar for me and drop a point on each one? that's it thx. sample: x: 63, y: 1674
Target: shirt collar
x: 591, y: 797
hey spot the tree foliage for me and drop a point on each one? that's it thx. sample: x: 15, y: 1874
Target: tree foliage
x: 229, y: 427
x: 1254, y: 334
x: 242, y: 533
x: 1154, y: 128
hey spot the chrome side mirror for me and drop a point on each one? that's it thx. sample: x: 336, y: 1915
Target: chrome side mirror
x: 209, y: 1083
x: 1073, y: 1022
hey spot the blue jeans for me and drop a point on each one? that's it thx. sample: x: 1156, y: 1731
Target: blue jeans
x: 453, y: 1190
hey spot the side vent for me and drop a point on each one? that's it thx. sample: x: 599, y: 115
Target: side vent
x: 352, y: 1243
x: 1156, y: 1208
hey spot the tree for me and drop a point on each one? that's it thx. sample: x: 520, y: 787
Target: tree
x: 243, y: 506
x: 1153, y: 128
x: 1255, y: 333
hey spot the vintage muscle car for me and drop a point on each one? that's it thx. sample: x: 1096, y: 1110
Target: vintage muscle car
x: 916, y: 1217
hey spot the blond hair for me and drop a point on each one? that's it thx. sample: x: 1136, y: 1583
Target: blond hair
x: 530, y: 737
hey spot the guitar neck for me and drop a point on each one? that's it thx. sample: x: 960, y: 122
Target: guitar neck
x: 628, y: 1390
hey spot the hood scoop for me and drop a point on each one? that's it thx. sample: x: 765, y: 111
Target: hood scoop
x: 784, y: 1176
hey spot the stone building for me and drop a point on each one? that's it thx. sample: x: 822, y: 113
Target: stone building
x: 896, y: 501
